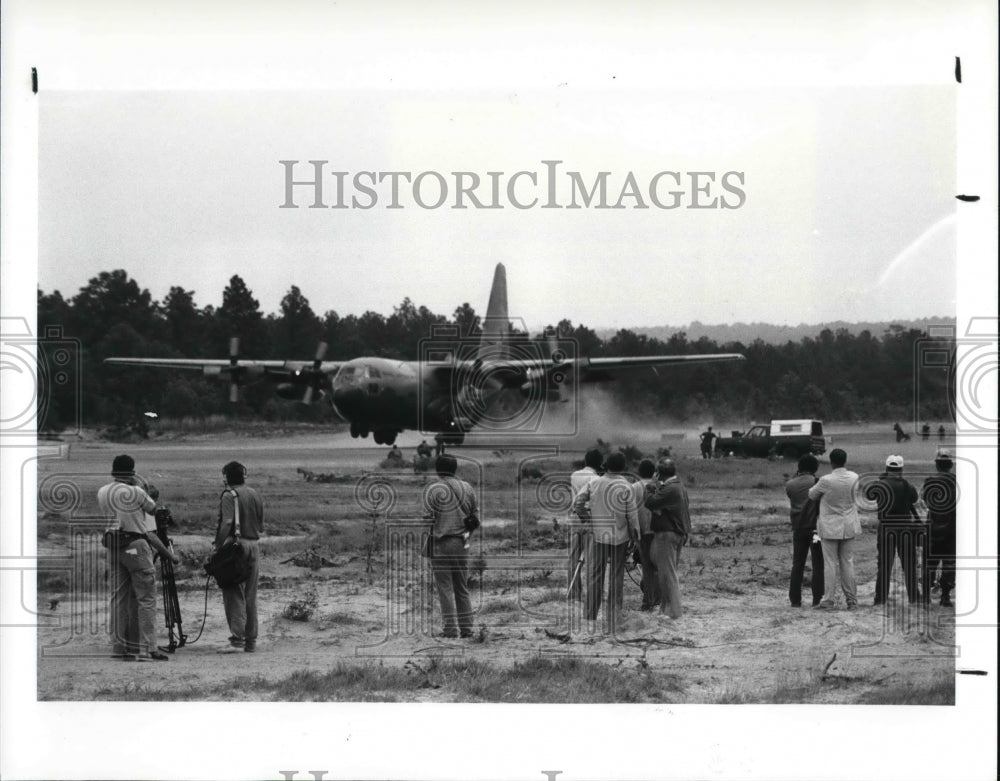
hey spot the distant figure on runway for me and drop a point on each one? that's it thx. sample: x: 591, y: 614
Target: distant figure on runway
x: 941, y: 432
x: 707, y: 439
x: 925, y: 432
x: 424, y: 450
x: 901, y: 436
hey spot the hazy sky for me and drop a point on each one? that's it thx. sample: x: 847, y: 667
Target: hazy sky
x: 184, y: 188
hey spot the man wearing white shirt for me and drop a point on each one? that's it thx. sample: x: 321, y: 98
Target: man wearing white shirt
x: 580, y: 541
x: 615, y: 520
x: 125, y: 503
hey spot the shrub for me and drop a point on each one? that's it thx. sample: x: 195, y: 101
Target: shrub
x: 301, y: 609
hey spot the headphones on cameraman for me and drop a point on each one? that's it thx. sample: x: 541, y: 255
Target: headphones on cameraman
x: 233, y: 468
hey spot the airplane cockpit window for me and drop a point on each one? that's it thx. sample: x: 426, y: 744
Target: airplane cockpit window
x: 351, y: 375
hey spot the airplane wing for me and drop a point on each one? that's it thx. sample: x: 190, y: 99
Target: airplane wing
x: 216, y: 366
x: 520, y: 372
x: 297, y: 379
x: 598, y: 369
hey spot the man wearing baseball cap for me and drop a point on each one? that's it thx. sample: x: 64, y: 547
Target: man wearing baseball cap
x: 940, y: 494
x: 899, y: 528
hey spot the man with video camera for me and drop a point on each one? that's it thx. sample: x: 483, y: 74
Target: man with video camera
x: 130, y: 558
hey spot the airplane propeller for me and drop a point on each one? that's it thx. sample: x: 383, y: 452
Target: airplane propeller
x: 316, y: 375
x: 557, y: 374
x: 234, y: 370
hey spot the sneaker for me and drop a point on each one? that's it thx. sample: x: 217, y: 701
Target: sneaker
x: 250, y: 646
x: 152, y: 656
x: 852, y: 605
x: 825, y: 606
x: 230, y: 649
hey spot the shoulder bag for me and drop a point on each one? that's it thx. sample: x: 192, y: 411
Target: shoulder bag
x: 229, y: 564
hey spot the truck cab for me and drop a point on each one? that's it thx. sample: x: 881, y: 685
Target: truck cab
x: 779, y: 438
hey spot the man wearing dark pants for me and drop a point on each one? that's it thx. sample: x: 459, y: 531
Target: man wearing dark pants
x: 130, y: 558
x: 940, y: 494
x: 615, y: 520
x: 899, y: 528
x: 805, y: 541
x: 642, y: 488
x: 707, y: 439
x: 671, y: 525
x: 241, y: 504
x: 449, y: 502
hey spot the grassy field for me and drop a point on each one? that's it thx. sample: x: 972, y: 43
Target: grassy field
x: 348, y: 611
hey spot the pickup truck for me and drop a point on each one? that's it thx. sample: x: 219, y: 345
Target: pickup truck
x: 780, y: 438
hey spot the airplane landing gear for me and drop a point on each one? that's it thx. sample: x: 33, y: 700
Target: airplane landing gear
x: 358, y: 430
x: 442, y: 440
x: 384, y: 436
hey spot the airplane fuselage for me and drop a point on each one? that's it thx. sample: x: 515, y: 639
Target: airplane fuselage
x: 384, y: 396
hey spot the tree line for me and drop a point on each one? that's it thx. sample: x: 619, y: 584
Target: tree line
x: 836, y: 376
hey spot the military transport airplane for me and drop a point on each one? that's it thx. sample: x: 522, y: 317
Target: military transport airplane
x: 492, y: 382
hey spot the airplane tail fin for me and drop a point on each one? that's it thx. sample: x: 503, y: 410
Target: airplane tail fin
x: 496, y: 325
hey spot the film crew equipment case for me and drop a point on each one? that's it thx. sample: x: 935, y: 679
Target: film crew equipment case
x: 229, y: 564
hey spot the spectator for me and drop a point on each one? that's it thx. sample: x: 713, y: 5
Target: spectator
x: 130, y: 562
x: 940, y: 494
x: 643, y: 487
x: 899, y: 527
x: 805, y: 540
x: 580, y: 541
x: 449, y: 502
x: 671, y: 525
x: 837, y: 526
x: 614, y: 517
x: 241, y: 506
